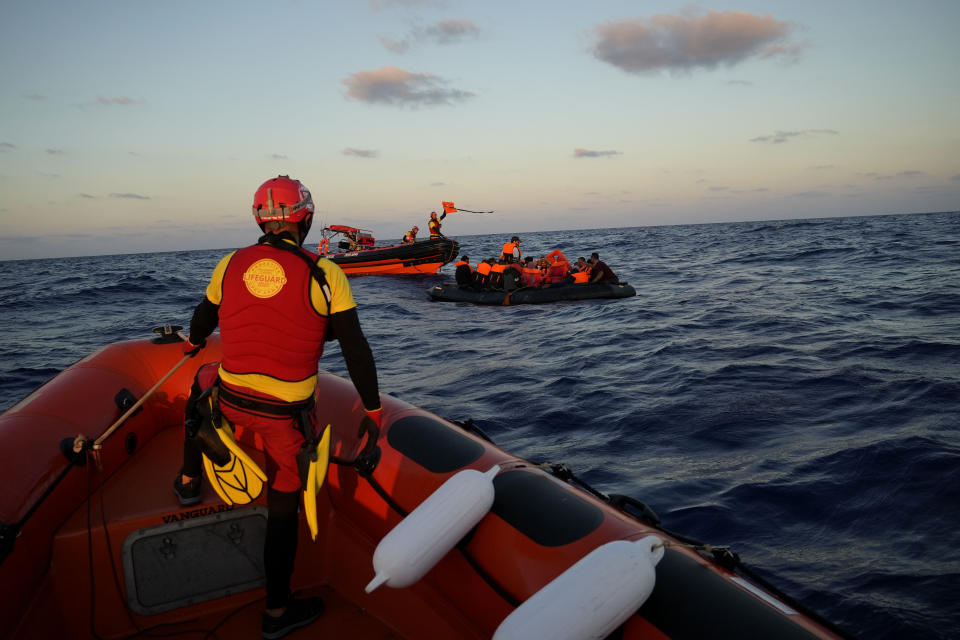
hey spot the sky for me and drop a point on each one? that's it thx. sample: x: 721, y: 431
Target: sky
x: 132, y: 126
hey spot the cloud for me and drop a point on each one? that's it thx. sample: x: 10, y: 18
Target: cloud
x: 277, y: 156
x: 692, y: 40
x: 438, y: 184
x: 123, y: 100
x: 779, y: 137
x: 451, y: 30
x: 445, y: 32
x: 955, y: 177
x: 589, y: 153
x: 394, y: 86
x: 129, y: 196
x: 35, y: 96
x: 87, y: 196
x: 54, y: 152
x: 360, y: 153
x: 6, y: 146
x: 396, y: 46
x: 378, y: 5
x: 880, y: 177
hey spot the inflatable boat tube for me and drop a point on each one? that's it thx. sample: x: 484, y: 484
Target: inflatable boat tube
x: 450, y: 292
x: 101, y: 548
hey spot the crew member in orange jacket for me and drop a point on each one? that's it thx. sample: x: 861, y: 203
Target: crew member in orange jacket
x: 274, y: 302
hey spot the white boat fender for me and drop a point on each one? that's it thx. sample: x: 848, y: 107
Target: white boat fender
x: 591, y: 598
x: 431, y: 530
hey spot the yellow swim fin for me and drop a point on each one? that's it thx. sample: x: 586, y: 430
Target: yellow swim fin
x: 232, y: 473
x: 317, y: 458
x: 323, y: 457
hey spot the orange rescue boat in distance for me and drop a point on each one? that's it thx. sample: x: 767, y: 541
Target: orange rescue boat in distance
x: 354, y: 250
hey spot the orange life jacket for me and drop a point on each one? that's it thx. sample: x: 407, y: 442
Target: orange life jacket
x: 532, y: 276
x: 581, y: 277
x: 484, y: 268
x: 508, y: 249
x: 463, y: 264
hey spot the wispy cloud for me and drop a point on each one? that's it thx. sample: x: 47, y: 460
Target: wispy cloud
x: 779, y: 137
x: 86, y: 196
x: 378, y: 5
x: 396, y: 46
x: 446, y: 32
x: 7, y: 146
x: 129, y: 196
x: 590, y: 153
x: 692, y: 40
x: 885, y: 177
x: 360, y: 153
x: 54, y: 152
x: 277, y: 156
x: 955, y: 177
x: 395, y: 86
x: 35, y: 96
x: 121, y: 100
x: 451, y: 31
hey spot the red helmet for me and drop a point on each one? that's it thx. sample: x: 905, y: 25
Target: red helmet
x: 433, y: 214
x: 415, y: 228
x: 282, y: 198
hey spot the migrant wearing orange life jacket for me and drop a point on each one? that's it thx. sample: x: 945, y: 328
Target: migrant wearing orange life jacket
x: 559, y: 266
x: 464, y: 273
x: 481, y: 275
x: 511, y: 251
x: 582, y: 276
x: 496, y: 276
x: 532, y: 276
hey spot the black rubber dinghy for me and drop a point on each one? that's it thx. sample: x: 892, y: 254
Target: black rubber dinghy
x: 450, y: 292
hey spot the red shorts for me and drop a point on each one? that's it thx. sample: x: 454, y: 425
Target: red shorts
x: 279, y: 435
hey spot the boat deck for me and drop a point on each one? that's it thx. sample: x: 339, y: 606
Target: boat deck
x: 88, y: 558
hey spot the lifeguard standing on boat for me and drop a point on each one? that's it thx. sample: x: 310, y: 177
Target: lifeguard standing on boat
x: 274, y: 302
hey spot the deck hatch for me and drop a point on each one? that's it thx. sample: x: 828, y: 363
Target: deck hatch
x: 182, y: 563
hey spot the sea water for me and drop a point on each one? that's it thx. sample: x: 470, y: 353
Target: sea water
x: 790, y: 389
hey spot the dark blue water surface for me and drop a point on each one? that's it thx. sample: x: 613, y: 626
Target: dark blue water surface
x: 789, y: 388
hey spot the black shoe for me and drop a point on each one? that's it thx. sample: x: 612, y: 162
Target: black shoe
x: 299, y: 613
x: 188, y: 494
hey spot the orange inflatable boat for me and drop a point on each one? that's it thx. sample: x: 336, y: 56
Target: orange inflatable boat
x: 363, y: 258
x: 448, y: 537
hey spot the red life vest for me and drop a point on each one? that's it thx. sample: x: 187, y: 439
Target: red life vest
x: 267, y: 322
